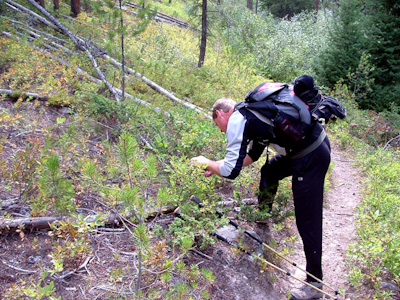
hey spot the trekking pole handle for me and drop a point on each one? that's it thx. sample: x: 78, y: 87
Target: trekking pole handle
x: 197, y: 200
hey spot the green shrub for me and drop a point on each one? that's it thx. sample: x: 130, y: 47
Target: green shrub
x: 54, y: 188
x: 376, y: 251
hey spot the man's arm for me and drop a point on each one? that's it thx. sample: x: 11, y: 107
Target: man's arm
x: 213, y: 166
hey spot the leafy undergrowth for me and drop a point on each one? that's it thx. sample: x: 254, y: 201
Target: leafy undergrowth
x: 373, y: 257
x: 105, y: 170
x: 104, y: 167
x: 54, y: 166
x: 68, y: 166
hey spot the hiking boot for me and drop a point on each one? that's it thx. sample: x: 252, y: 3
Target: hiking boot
x: 306, y: 292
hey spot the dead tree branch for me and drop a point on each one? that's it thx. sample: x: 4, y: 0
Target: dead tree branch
x: 81, y: 44
x: 77, y: 70
x: 38, y: 223
x: 391, y: 140
x: 19, y: 269
x: 19, y: 94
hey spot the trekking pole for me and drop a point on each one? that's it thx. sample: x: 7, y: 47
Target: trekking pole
x: 263, y: 260
x: 273, y: 265
x: 198, y: 201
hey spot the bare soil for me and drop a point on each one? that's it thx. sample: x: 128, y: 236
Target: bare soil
x: 238, y: 276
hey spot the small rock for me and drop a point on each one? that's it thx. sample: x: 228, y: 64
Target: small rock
x: 33, y: 259
x: 64, y: 110
x: 249, y: 201
x: 229, y: 232
x: 236, y: 210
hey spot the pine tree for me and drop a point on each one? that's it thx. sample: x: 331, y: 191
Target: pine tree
x: 384, y: 47
x: 345, y: 45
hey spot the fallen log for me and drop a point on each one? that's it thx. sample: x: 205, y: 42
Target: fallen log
x: 158, y: 88
x: 79, y: 71
x: 19, y: 94
x: 24, y: 9
x: 28, y: 223
x: 80, y: 43
x: 39, y: 223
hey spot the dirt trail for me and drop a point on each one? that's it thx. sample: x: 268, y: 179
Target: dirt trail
x: 341, y: 199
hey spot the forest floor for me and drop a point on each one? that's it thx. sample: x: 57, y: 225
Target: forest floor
x: 237, y: 277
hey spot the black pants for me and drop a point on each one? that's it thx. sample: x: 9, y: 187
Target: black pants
x: 308, y: 191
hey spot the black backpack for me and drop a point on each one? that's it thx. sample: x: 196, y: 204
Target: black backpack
x: 278, y: 106
x: 324, y: 108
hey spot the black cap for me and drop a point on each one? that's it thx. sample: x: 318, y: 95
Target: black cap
x: 303, y: 84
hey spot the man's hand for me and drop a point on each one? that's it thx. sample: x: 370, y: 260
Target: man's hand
x: 200, y: 160
x: 208, y: 173
x: 211, y: 166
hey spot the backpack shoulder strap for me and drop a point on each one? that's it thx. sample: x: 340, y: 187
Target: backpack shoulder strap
x: 257, y: 114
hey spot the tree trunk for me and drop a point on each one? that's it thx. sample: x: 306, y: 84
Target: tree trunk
x: 203, y: 43
x: 250, y: 4
x: 316, y: 6
x: 75, y: 7
x: 41, y: 2
x: 122, y: 51
x: 56, y: 4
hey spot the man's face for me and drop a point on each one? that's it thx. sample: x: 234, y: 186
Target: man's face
x: 221, y: 120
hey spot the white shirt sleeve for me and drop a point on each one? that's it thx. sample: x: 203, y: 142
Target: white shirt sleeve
x: 234, y: 149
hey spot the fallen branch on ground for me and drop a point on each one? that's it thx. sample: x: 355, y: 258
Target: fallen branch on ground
x: 77, y: 70
x: 70, y: 273
x: 19, y: 94
x: 80, y: 43
x: 391, y: 140
x: 38, y: 223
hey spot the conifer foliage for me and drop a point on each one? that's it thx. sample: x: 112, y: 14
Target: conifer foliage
x: 372, y: 29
